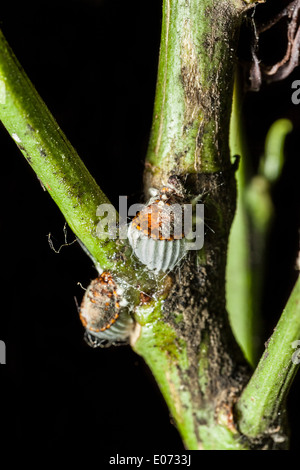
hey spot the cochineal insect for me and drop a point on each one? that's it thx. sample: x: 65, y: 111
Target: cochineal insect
x: 156, y: 232
x: 103, y: 312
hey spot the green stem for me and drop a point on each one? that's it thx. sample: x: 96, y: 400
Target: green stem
x: 261, y: 404
x: 203, y: 423
x: 185, y: 338
x: 50, y: 154
x: 58, y: 166
x: 190, y: 128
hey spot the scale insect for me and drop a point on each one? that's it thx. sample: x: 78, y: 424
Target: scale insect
x: 156, y: 232
x: 103, y: 312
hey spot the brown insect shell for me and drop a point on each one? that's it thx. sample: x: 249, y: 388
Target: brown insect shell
x: 103, y: 311
x: 151, y: 233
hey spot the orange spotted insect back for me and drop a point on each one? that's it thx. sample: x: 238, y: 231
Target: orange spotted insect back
x: 157, y: 221
x: 103, y: 312
x: 156, y: 232
x: 101, y: 296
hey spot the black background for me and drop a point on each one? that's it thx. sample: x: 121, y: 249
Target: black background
x: 94, y: 62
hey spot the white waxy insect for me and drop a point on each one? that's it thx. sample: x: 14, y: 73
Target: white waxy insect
x: 103, y: 313
x: 156, y: 232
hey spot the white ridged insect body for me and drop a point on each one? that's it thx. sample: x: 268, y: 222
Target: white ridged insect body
x: 118, y: 333
x: 156, y: 232
x: 157, y: 255
x: 103, y: 312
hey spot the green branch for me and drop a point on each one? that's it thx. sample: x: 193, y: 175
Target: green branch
x: 58, y: 166
x: 50, y: 154
x: 185, y: 338
x: 202, y: 423
x: 190, y: 129
x: 260, y: 408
